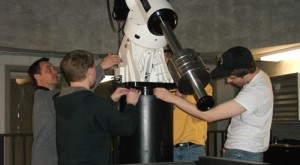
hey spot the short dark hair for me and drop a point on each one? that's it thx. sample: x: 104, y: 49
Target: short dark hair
x: 241, y: 72
x: 168, y: 51
x: 35, y: 68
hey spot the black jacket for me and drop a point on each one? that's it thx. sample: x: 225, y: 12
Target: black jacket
x: 85, y: 124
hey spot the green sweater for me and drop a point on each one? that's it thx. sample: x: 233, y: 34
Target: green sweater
x: 85, y: 124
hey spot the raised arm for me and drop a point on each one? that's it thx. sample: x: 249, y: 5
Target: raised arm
x: 107, y: 62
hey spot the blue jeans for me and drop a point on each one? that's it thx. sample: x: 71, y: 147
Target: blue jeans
x: 190, y: 153
x: 243, y: 155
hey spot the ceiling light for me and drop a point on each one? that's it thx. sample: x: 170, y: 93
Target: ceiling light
x: 284, y: 54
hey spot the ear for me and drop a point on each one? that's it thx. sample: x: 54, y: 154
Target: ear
x: 37, y: 76
x: 89, y: 72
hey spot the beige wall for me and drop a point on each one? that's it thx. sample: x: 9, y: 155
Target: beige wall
x: 280, y: 68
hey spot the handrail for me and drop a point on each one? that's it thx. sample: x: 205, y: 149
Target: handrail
x: 10, y: 140
x: 215, y: 141
x: 214, y: 144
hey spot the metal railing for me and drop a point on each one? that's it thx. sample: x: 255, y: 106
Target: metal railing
x: 15, y: 148
x: 215, y: 141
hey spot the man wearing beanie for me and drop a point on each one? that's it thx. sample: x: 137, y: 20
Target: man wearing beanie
x: 250, y: 111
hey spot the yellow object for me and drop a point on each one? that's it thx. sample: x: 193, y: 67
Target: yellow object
x: 187, y: 128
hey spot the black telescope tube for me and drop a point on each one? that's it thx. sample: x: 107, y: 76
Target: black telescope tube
x: 170, y: 36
